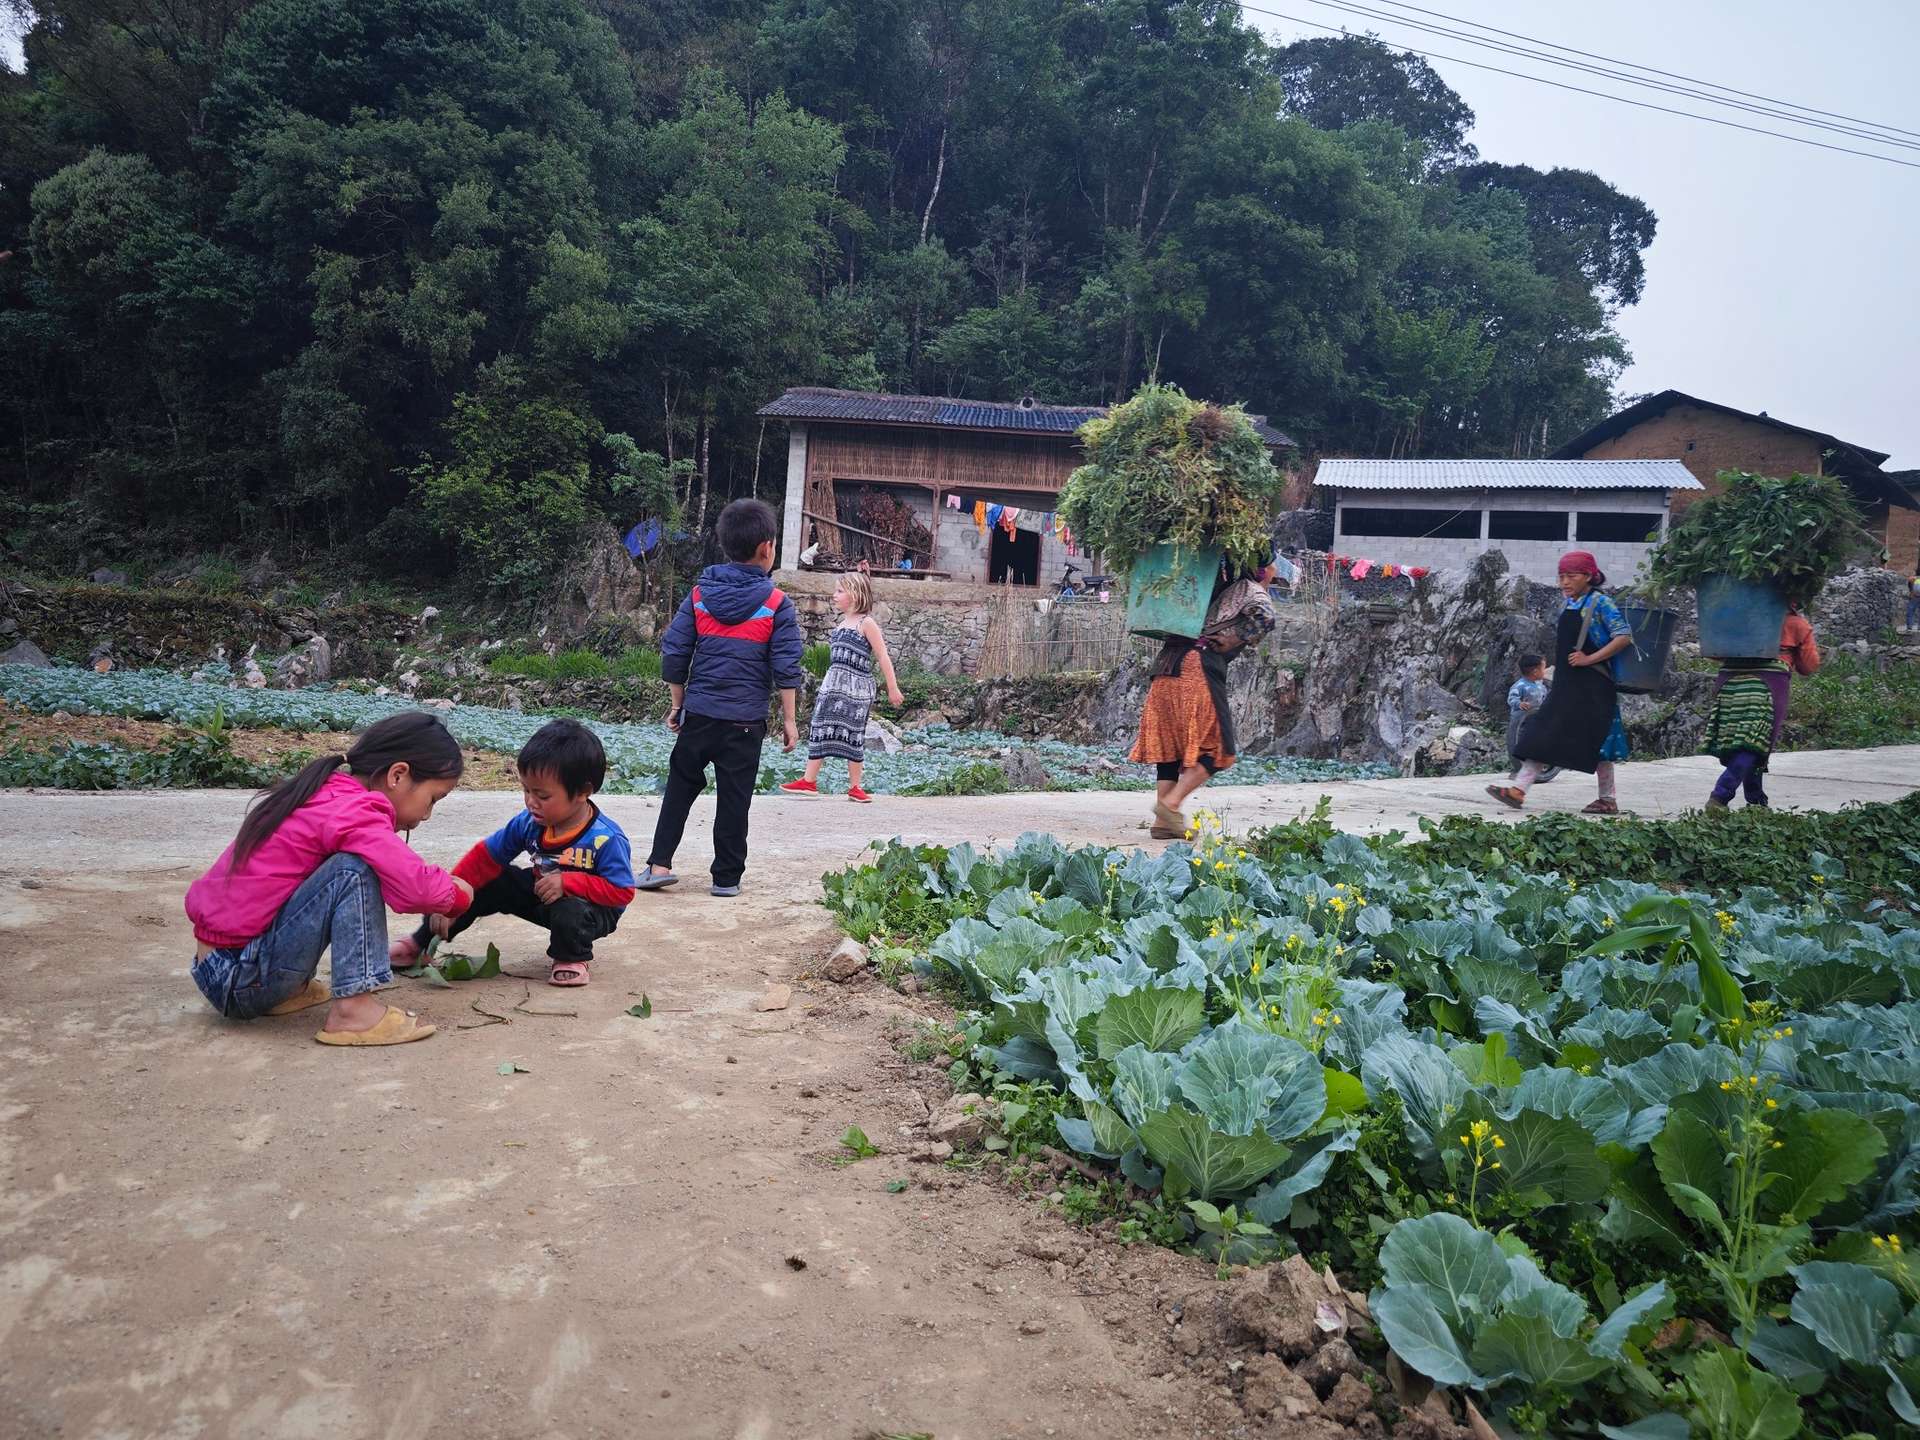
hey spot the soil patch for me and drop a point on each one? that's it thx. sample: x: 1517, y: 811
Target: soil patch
x: 24, y: 729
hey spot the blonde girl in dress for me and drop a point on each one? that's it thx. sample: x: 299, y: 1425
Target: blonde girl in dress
x: 838, y: 730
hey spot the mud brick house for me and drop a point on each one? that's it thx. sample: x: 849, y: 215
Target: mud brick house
x: 1442, y: 513
x: 937, y: 459
x: 1708, y: 438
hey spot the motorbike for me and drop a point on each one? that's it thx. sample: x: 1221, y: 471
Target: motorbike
x: 1076, y: 589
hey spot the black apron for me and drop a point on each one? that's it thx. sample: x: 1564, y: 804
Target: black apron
x: 1213, y: 665
x: 1569, y: 729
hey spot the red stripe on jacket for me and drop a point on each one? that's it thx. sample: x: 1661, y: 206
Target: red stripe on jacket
x: 477, y: 867
x: 758, y: 627
x: 594, y: 890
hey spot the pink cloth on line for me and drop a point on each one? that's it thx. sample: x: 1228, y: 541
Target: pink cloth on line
x: 1360, y: 569
x: 229, y: 907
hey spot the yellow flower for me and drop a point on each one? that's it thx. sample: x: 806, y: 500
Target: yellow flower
x: 1819, y: 879
x: 1878, y: 1243
x: 1339, y: 949
x: 1727, y: 923
x: 1196, y: 859
x: 1772, y: 1104
x: 1273, y: 1009
x: 1336, y: 1020
x: 1609, y: 921
x: 1256, y: 968
x: 1241, y: 853
x: 1725, y: 1085
x: 1219, y: 864
x: 1498, y: 1143
x: 1494, y: 1166
x: 1466, y: 1140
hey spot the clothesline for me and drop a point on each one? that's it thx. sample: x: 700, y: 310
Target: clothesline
x: 1357, y: 568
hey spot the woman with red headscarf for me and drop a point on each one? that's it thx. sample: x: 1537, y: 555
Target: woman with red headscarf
x: 1578, y: 727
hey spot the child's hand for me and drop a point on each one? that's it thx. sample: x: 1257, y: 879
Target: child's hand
x: 549, y: 887
x: 894, y: 697
x: 792, y: 736
x: 440, y: 926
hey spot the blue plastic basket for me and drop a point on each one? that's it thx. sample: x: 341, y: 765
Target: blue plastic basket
x: 1169, y: 591
x: 1740, y: 619
x: 1641, y: 669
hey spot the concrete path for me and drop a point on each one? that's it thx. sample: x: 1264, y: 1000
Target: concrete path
x: 225, y: 1230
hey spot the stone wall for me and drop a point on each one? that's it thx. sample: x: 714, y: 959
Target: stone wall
x: 182, y: 627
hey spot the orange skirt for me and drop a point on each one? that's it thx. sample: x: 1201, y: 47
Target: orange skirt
x: 1179, y: 723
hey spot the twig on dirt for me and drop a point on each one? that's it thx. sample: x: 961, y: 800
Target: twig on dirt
x: 492, y: 1019
x: 526, y: 1009
x: 1060, y: 1157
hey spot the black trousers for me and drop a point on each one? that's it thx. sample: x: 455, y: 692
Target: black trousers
x: 572, y: 924
x: 732, y: 748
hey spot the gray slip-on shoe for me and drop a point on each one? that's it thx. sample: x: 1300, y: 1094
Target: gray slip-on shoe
x: 726, y: 892
x: 651, y: 881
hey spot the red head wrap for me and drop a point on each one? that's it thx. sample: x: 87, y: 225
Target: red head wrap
x: 1581, y: 562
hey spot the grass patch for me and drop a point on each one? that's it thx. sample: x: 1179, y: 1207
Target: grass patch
x: 1851, y: 705
x: 580, y: 664
x: 981, y: 777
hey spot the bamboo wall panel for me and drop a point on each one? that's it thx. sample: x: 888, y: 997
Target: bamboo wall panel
x: 948, y: 460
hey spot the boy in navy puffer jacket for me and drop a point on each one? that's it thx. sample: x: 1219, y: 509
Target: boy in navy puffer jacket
x: 735, y: 639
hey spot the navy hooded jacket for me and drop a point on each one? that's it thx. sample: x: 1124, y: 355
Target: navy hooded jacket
x: 734, y: 640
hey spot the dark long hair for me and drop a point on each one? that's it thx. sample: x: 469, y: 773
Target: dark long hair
x: 412, y: 738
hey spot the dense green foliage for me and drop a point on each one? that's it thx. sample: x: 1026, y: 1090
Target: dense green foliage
x: 204, y: 758
x: 1165, y: 469
x: 635, y: 664
x: 1724, y: 854
x: 440, y: 279
x: 1795, y: 533
x: 1540, y: 1118
x: 1849, y: 704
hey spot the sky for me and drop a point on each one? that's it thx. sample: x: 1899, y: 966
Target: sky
x: 1783, y: 278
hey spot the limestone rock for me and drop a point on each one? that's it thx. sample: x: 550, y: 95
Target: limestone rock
x: 311, y: 664
x: 1023, y: 771
x: 846, y: 961
x: 600, y: 587
x: 1857, y: 605
x: 107, y: 577
x: 25, y: 653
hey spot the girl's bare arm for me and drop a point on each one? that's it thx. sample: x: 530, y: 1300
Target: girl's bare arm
x: 882, y: 659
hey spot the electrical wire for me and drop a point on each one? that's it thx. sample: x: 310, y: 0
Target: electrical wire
x: 1602, y: 94
x: 1501, y: 47
x: 1649, y: 69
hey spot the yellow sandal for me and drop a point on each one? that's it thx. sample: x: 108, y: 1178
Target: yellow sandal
x: 396, y: 1027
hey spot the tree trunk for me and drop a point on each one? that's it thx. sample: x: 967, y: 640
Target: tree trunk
x: 706, y: 457
x: 758, y: 445
x: 939, y: 173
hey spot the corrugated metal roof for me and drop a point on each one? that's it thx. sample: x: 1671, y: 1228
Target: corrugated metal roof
x: 863, y: 407
x: 1505, y: 475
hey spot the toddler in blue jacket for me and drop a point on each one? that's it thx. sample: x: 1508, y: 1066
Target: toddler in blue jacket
x: 735, y: 639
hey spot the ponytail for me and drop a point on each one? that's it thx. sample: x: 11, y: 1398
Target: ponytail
x: 412, y: 738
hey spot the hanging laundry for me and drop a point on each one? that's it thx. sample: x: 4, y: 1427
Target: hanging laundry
x: 953, y: 501
x: 1009, y: 515
x: 1285, y: 569
x: 980, y: 515
x: 1387, y: 572
x: 1361, y: 569
x: 641, y: 539
x: 1418, y: 572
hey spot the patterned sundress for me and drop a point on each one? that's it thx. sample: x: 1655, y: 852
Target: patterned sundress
x: 838, y: 730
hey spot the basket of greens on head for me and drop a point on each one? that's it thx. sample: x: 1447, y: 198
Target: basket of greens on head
x: 1172, y: 488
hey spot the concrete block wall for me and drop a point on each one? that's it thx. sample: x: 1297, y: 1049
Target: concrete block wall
x: 1535, y: 559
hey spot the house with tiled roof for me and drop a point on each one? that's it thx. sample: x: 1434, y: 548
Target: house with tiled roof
x: 936, y: 468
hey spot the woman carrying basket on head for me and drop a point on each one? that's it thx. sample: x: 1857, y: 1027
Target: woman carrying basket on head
x: 1186, y: 731
x: 1578, y: 727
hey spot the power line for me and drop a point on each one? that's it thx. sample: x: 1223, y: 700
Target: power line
x: 1502, y: 47
x: 1602, y: 94
x: 1650, y: 69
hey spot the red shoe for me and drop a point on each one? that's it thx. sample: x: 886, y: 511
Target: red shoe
x: 799, y: 787
x: 858, y: 796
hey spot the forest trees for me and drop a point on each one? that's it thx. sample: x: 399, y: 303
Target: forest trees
x: 451, y: 272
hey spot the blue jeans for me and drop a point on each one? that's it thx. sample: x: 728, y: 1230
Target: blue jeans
x: 340, y: 905
x: 1913, y: 611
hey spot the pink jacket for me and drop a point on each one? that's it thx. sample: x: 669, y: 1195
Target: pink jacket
x: 229, y: 907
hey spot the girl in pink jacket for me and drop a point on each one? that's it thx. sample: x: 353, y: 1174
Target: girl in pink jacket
x: 317, y: 864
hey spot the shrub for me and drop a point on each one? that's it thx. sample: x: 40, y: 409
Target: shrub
x: 816, y: 658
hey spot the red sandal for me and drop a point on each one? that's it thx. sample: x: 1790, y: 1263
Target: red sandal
x: 1509, y: 795
x: 568, y: 974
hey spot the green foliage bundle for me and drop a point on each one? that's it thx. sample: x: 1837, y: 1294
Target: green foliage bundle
x: 634, y: 664
x: 1793, y: 533
x: 1166, y: 469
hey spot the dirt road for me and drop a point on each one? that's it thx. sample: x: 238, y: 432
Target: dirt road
x: 223, y: 1230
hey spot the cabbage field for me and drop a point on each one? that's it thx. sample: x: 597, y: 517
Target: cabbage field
x: 1623, y: 1159
x: 636, y: 753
